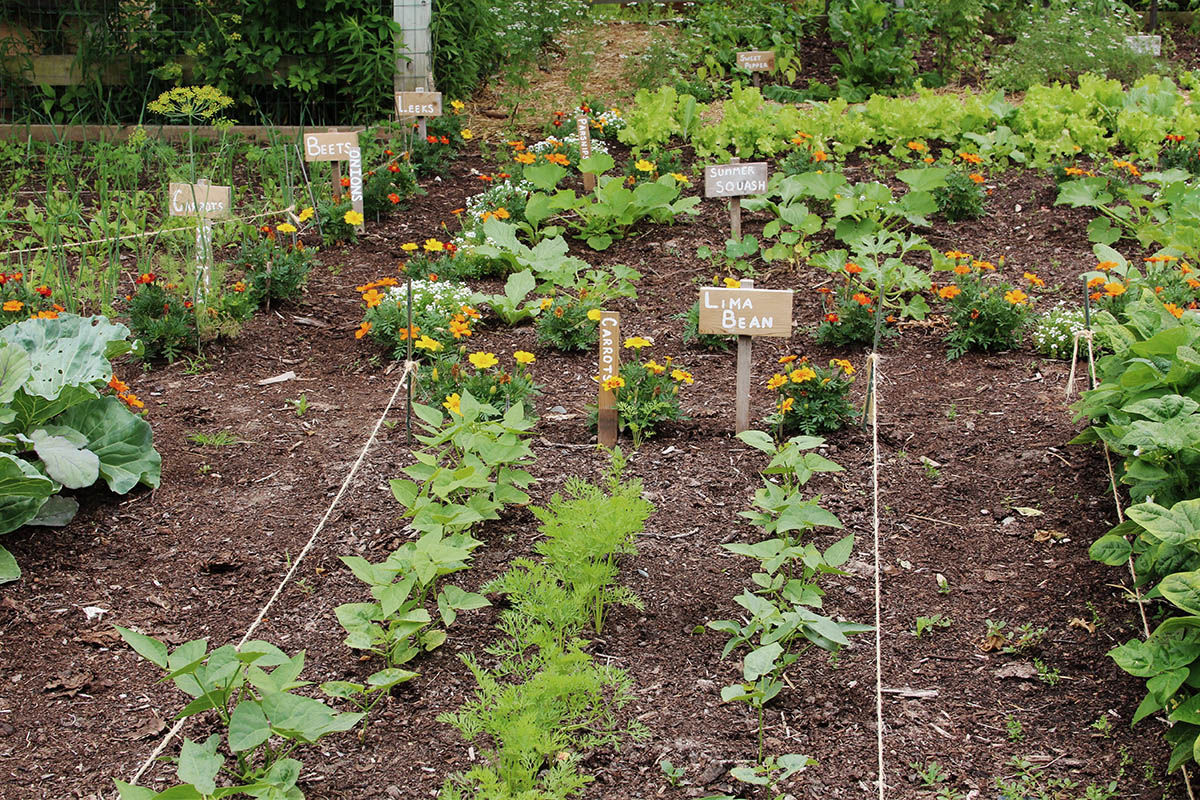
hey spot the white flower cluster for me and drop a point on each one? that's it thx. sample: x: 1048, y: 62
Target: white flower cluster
x: 612, y: 121
x: 443, y: 295
x: 501, y: 195
x: 1054, y: 332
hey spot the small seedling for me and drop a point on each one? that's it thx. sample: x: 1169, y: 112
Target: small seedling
x: 300, y: 404
x: 672, y: 773
x: 942, y: 584
x: 218, y: 439
x: 1045, y: 674
x: 1025, y: 638
x: 1016, y: 731
x: 931, y: 472
x: 928, y: 623
x: 1102, y: 727
x: 931, y: 774
x: 952, y: 411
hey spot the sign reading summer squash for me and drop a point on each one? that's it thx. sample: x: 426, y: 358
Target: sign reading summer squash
x: 735, y: 180
x: 746, y: 312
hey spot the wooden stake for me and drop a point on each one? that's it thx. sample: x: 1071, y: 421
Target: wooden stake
x: 744, y: 362
x: 409, y: 389
x: 583, y: 132
x: 422, y: 130
x: 607, y: 422
x: 337, y: 180
x: 735, y: 217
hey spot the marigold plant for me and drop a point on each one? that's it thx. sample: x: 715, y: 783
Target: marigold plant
x: 500, y: 381
x: 986, y: 314
x: 810, y: 399
x: 568, y: 323
x: 441, y: 313
x: 647, y: 391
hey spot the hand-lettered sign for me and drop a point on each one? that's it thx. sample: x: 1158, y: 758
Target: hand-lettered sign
x: 735, y: 180
x: 756, y: 60
x: 583, y: 130
x: 747, y: 312
x: 339, y: 147
x: 610, y: 367
x: 418, y: 104
x: 199, y: 200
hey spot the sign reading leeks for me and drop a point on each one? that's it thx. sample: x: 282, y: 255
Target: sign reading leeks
x: 610, y: 367
x: 338, y: 147
x: 418, y: 104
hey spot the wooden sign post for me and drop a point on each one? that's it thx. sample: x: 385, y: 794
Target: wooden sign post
x: 610, y: 367
x: 338, y: 147
x: 756, y: 61
x: 735, y: 180
x: 747, y: 312
x: 584, y: 130
x: 419, y: 104
x: 205, y: 202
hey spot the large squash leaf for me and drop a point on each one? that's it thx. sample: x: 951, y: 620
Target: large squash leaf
x: 67, y: 351
x: 15, y: 368
x: 23, y: 491
x: 122, y: 441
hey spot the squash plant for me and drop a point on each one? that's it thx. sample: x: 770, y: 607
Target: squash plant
x: 57, y: 430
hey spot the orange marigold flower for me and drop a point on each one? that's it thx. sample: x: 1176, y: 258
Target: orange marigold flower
x: 130, y: 399
x: 861, y: 299
x: 1192, y: 282
x: 787, y: 359
x: 1016, y: 297
x: 776, y: 380
x: 117, y: 385
x: 984, y: 265
x: 558, y: 158
x: 970, y: 158
x: 949, y: 292
x: 1175, y: 310
x: 44, y: 291
x: 976, y: 177
x: 345, y: 183
x: 372, y: 298
x: 1114, y: 289
x: 820, y: 155
x: 962, y: 269
x: 1105, y: 266
x: 918, y: 147
x: 13, y: 305
x: 525, y: 158
x: 957, y: 255
x: 363, y: 330
x: 853, y: 268
x: 1034, y: 280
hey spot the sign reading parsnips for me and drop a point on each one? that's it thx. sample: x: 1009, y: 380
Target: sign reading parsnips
x: 746, y: 312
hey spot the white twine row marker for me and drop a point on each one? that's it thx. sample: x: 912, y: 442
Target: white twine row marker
x: 873, y: 409
x: 409, y: 368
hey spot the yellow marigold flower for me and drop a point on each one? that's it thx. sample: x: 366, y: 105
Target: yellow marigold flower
x: 1175, y: 310
x: 524, y: 357
x: 408, y: 247
x: 453, y: 404
x: 1034, y: 280
x: 353, y: 218
x: 655, y: 367
x: 949, y: 292
x: 427, y: 343
x: 483, y: 360
x: 1105, y: 266
x: 1114, y: 289
x: 459, y: 328
x: 306, y: 214
x: 846, y: 366
x: 984, y: 265
x: 803, y: 374
x: 372, y: 298
x: 286, y: 227
x: 525, y: 158
x: 546, y: 303
x: 501, y: 213
x: 637, y: 342
x: 787, y: 359
x: 776, y: 380
x: 363, y: 330
x: 785, y: 405
x: 957, y: 255
x: 1016, y: 297
x: 457, y: 105
x: 681, y: 178
x: 467, y: 134
x: 13, y: 305
x: 918, y: 147
x: 682, y: 376
x: 642, y: 165
x: 612, y: 384
x: 433, y: 246
x: 593, y: 314
x: 732, y: 283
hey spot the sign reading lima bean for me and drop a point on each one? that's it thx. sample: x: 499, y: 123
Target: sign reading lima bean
x: 746, y: 312
x: 418, y: 104
x: 735, y: 180
x: 756, y: 60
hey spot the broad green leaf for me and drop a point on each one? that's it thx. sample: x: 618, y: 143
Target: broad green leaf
x: 248, y: 726
x: 1084, y: 193
x: 749, y: 775
x: 127, y: 791
x: 123, y: 442
x: 199, y: 765
x: 1182, y: 589
x: 597, y: 163
x: 15, y: 369
x: 1111, y: 550
x: 519, y: 285
x: 23, y: 492
x: 924, y: 180
x: 1189, y: 711
x: 66, y: 351
x: 761, y: 661
x: 1176, y: 525
x: 342, y: 690
x: 385, y: 679
x: 9, y: 571
x: 544, y: 175
x: 65, y: 461
x: 145, y: 646
x: 839, y: 552
x: 759, y: 440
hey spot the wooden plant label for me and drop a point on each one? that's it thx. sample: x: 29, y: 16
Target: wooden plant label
x: 756, y: 60
x: 199, y: 200
x: 735, y: 180
x: 746, y: 312
x: 610, y: 367
x: 583, y: 129
x: 418, y: 104
x: 329, y: 146
x: 337, y: 147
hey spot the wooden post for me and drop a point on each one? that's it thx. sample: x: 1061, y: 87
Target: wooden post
x: 735, y: 214
x: 584, y: 133
x: 422, y: 126
x: 744, y: 362
x: 607, y: 423
x: 414, y: 51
